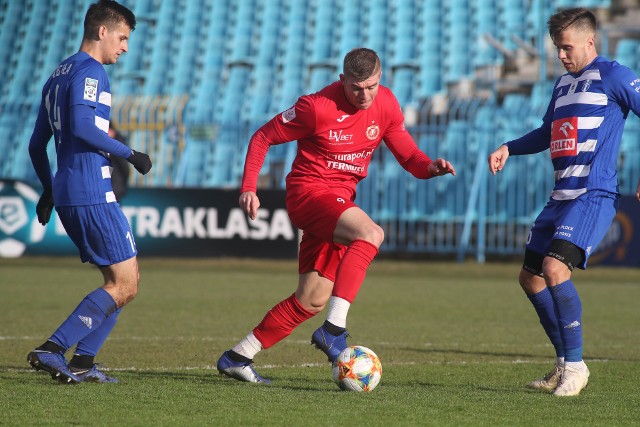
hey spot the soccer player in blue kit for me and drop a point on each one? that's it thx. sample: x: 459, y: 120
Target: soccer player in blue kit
x: 75, y: 109
x: 582, y: 128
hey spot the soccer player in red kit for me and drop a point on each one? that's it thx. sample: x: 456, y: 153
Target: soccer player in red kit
x: 337, y: 129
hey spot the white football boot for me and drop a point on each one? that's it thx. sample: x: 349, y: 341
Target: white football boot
x: 574, y: 379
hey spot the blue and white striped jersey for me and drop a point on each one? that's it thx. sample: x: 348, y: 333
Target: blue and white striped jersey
x: 83, y: 176
x: 583, y: 126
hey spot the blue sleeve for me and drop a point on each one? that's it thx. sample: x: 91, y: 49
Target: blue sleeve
x: 40, y: 137
x: 535, y: 141
x: 625, y: 88
x: 83, y: 119
x: 538, y: 139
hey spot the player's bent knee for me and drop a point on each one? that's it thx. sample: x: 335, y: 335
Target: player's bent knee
x: 531, y: 283
x: 315, y: 308
x: 313, y: 302
x: 562, y: 257
x: 374, y: 234
x: 564, y: 251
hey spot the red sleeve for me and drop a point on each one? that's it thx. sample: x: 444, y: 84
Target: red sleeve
x: 295, y: 123
x: 403, y: 147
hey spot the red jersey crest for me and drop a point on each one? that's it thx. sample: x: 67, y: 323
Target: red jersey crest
x: 373, y: 132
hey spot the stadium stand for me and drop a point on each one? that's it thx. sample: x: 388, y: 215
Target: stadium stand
x: 239, y: 62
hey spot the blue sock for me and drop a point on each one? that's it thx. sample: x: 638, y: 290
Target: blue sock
x: 569, y: 310
x: 543, y: 303
x: 91, y: 344
x: 86, y: 318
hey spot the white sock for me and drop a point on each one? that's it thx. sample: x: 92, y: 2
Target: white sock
x: 578, y: 366
x: 559, y: 361
x: 249, y: 346
x: 338, y: 309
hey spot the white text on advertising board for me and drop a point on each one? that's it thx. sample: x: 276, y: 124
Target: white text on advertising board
x: 203, y: 223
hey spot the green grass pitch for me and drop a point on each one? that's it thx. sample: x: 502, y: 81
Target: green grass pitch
x: 458, y: 343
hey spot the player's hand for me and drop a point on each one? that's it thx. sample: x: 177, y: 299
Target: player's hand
x: 140, y: 161
x: 249, y: 203
x: 441, y: 167
x: 498, y: 158
x: 638, y: 191
x: 45, y: 206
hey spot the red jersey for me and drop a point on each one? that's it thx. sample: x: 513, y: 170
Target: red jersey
x: 335, y: 141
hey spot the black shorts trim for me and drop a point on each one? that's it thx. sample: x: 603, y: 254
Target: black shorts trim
x: 566, y: 252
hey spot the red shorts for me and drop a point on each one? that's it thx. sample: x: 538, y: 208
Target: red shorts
x: 316, y: 213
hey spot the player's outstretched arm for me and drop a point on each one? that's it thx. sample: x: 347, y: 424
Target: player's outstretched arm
x: 441, y: 167
x: 498, y: 158
x: 249, y: 203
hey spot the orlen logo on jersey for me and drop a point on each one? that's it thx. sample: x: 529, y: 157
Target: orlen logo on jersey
x: 564, y: 137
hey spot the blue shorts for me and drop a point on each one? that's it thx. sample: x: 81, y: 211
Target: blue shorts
x: 101, y: 232
x: 583, y: 221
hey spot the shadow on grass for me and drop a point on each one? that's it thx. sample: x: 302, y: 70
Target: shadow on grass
x: 433, y: 350
x: 212, y: 376
x: 494, y: 354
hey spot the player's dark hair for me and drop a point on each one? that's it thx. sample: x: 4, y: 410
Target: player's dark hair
x: 109, y: 13
x: 361, y: 63
x: 578, y: 18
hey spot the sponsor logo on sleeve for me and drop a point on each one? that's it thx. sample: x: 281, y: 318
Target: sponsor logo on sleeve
x: 90, y: 89
x: 564, y: 137
x: 289, y: 115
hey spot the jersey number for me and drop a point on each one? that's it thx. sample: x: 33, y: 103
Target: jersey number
x: 131, y: 241
x: 56, y: 110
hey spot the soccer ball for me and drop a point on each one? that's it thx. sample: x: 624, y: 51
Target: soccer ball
x: 357, y: 368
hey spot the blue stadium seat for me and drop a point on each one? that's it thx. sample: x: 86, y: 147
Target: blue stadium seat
x: 430, y: 49
x: 457, y: 53
x: 322, y: 33
x: 349, y: 28
x: 404, y: 81
x: 512, y: 21
x: 403, y: 33
x: 628, y: 53
x: 269, y: 34
x: 484, y: 21
x: 321, y: 77
x: 259, y: 93
x: 230, y: 107
x: 375, y: 34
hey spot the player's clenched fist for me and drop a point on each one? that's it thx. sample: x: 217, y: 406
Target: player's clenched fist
x: 249, y: 203
x: 497, y: 159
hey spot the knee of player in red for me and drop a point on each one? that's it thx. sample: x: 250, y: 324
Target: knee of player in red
x: 353, y: 269
x: 280, y: 321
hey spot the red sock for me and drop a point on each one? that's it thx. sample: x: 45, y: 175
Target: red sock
x: 353, y: 269
x: 280, y: 321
